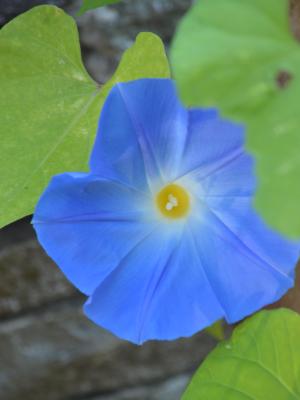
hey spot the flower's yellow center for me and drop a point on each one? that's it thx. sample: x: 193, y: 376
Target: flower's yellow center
x: 173, y: 201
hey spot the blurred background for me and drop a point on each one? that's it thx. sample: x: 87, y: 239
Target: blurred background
x: 48, y: 349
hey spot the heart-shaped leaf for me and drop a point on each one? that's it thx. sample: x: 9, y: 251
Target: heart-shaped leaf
x: 49, y: 106
x: 261, y: 361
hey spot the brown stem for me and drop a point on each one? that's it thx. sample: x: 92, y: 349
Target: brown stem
x: 292, y: 298
x: 295, y: 17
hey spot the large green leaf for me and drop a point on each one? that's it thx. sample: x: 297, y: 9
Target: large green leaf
x: 49, y: 106
x: 91, y: 4
x: 260, y: 362
x: 241, y: 56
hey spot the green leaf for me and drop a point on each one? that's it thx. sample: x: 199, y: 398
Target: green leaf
x: 49, y: 106
x: 261, y: 361
x: 91, y: 4
x: 216, y: 330
x: 241, y: 57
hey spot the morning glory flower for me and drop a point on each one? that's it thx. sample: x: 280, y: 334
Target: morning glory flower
x: 161, y: 234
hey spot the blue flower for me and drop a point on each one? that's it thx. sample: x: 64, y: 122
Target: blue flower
x: 161, y: 234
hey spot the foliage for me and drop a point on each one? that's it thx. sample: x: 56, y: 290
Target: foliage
x: 91, y: 4
x: 49, y: 106
x: 241, y: 57
x: 259, y: 362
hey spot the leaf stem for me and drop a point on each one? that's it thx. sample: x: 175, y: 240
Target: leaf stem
x: 295, y: 18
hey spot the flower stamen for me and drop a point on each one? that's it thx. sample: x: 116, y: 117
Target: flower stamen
x: 173, y: 201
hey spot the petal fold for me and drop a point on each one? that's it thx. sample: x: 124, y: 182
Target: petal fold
x: 248, y: 265
x: 87, y: 224
x: 144, y: 143
x: 211, y: 143
x: 162, y: 294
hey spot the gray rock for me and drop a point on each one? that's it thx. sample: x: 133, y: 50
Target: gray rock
x: 171, y: 389
x: 106, y: 32
x: 16, y: 233
x: 11, y: 8
x: 29, y: 279
x: 59, y: 354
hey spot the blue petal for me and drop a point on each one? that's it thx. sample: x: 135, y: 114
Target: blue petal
x: 247, y: 264
x: 240, y: 218
x: 228, y: 183
x: 144, y: 141
x: 87, y: 224
x: 211, y: 143
x: 161, y: 294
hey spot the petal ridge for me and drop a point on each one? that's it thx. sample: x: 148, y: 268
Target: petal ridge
x: 129, y: 252
x: 149, y: 297
x: 93, y: 224
x: 209, y: 139
x: 209, y: 113
x: 260, y: 259
x: 212, y: 168
x: 202, y: 264
x: 144, y: 143
x: 92, y: 217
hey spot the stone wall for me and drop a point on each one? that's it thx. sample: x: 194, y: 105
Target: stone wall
x: 50, y: 351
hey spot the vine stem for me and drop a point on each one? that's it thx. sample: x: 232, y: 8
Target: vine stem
x: 292, y: 298
x: 295, y: 17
